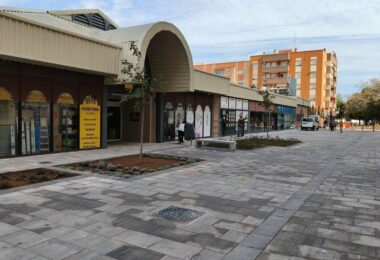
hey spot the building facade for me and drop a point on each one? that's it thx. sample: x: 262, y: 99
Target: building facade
x: 309, y: 75
x: 61, y: 84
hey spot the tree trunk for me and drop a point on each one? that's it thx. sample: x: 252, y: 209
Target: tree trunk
x: 142, y: 130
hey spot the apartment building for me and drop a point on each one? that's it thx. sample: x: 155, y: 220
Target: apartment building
x: 308, y: 74
x: 237, y: 72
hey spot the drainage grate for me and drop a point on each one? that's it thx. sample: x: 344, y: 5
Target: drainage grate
x: 44, y: 162
x: 179, y: 214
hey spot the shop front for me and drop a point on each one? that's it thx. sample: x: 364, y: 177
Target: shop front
x: 286, y: 117
x: 193, y: 108
x: 230, y: 110
x: 46, y: 110
x: 259, y: 118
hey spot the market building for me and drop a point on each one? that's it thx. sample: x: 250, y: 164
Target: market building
x: 58, y: 90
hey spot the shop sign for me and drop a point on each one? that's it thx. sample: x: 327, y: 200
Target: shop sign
x: 5, y: 95
x: 89, y: 126
x: 36, y: 96
x: 65, y: 98
x: 223, y: 102
x: 232, y: 103
x: 239, y: 104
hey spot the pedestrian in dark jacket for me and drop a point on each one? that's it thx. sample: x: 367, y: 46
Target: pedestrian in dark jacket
x: 224, y: 125
x: 189, y: 132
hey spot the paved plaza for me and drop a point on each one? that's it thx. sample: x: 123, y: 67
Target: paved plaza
x: 316, y: 200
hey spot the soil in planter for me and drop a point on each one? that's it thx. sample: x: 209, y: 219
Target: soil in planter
x: 146, y: 162
x: 21, y: 178
x: 127, y: 166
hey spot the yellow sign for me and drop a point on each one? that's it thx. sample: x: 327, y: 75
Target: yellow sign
x: 65, y: 98
x: 36, y: 96
x: 5, y: 95
x: 89, y: 126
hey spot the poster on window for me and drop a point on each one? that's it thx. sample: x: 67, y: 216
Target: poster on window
x: 207, y: 122
x: 232, y: 103
x: 179, y: 117
x: 223, y: 102
x: 190, y: 115
x: 239, y: 104
x: 245, y: 105
x: 198, y: 122
x: 89, y: 114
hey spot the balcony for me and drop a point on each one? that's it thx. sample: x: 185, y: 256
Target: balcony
x: 328, y: 81
x: 275, y: 81
x: 276, y: 57
x: 275, y: 69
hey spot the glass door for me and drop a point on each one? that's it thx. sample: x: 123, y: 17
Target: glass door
x: 114, y: 122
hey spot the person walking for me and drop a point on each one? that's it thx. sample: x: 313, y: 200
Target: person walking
x: 241, y: 123
x: 341, y: 126
x: 189, y: 132
x: 181, y: 132
x: 224, y: 125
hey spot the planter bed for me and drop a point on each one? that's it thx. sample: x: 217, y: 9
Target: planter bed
x: 127, y: 166
x: 258, y: 142
x: 21, y: 178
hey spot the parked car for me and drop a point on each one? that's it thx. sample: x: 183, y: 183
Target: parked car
x: 310, y: 123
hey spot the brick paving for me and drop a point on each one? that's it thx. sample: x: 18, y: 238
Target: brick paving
x: 316, y: 200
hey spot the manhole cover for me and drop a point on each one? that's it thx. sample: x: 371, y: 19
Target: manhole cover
x: 44, y: 162
x: 179, y: 214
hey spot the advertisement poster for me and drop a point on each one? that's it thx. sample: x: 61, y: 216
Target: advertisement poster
x: 232, y: 103
x: 190, y: 115
x: 89, y: 126
x: 198, y: 122
x: 223, y: 102
x: 245, y: 104
x: 207, y: 122
x: 239, y: 104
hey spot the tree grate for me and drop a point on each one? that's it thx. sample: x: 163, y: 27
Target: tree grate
x: 178, y: 214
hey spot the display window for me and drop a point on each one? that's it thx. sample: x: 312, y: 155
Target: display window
x: 35, y: 136
x: 65, y: 124
x: 169, y: 125
x: 179, y: 117
x: 8, y: 123
x: 198, y: 122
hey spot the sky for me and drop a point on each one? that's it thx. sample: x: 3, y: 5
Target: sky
x: 232, y: 30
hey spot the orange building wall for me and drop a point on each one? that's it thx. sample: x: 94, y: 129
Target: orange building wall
x: 259, y: 60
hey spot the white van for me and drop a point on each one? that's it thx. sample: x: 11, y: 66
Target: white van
x: 310, y: 123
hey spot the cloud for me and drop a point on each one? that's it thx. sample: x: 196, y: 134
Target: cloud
x: 226, y: 30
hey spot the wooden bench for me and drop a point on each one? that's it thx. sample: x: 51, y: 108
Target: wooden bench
x: 199, y: 143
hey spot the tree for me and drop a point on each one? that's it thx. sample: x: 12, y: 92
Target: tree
x: 365, y: 105
x: 144, y: 85
x: 267, y: 103
x: 341, y: 106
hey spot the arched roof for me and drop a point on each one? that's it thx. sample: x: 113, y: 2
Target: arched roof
x: 143, y: 35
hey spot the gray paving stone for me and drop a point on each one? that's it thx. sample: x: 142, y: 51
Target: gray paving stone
x: 16, y: 253
x: 257, y: 241
x: 243, y: 252
x: 176, y: 249
x: 6, y: 228
x: 54, y: 249
x: 133, y: 253
x: 315, y: 252
x: 137, y: 238
x: 23, y: 238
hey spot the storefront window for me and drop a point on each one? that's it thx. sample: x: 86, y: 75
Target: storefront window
x: 198, y: 122
x: 8, y: 126
x: 169, y: 126
x: 179, y: 117
x: 65, y: 124
x: 190, y: 115
x: 35, y: 124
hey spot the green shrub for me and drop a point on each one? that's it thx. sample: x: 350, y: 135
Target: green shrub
x: 257, y: 142
x: 84, y: 164
x: 5, y: 185
x: 112, y: 167
x: 33, y: 179
x: 43, y: 178
x: 101, y: 165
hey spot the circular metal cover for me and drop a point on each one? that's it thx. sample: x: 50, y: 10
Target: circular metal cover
x: 179, y: 214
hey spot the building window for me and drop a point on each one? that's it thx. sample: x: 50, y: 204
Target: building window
x: 298, y: 62
x: 240, y: 72
x: 8, y: 125
x: 240, y: 83
x: 313, y: 61
x: 255, y: 73
x: 219, y: 72
x: 298, y: 75
x: 313, y: 74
